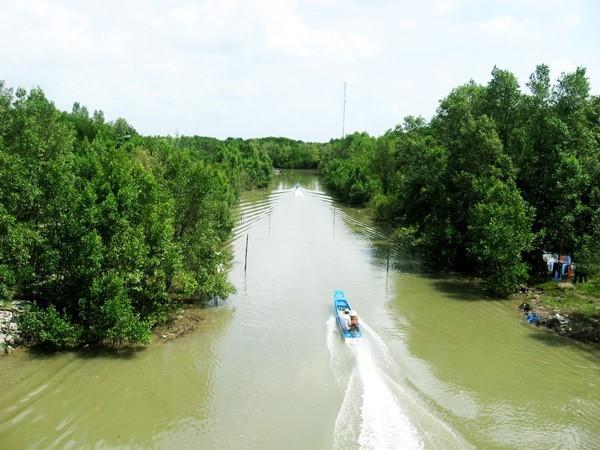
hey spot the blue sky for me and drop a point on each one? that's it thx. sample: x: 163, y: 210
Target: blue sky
x: 276, y: 68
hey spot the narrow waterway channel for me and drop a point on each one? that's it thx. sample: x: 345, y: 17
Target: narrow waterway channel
x: 440, y: 366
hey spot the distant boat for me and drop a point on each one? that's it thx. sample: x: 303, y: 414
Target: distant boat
x: 340, y: 303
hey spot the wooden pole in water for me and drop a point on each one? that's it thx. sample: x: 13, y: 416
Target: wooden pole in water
x: 333, y: 226
x: 344, y: 114
x: 387, y: 271
x: 246, y: 255
x: 388, y: 261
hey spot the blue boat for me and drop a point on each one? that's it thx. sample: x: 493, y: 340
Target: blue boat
x: 339, y: 304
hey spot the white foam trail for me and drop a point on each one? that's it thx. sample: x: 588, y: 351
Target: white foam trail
x: 298, y: 192
x: 347, y: 424
x: 331, y: 341
x: 433, y: 422
x: 436, y: 426
x: 338, y: 360
x: 380, y: 344
x: 379, y: 409
x: 384, y: 423
x: 370, y: 416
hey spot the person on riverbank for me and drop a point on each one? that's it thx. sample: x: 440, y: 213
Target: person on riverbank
x: 525, y: 307
x: 580, y: 275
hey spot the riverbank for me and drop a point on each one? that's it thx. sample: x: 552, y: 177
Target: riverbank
x: 186, y: 319
x: 9, y: 330
x: 567, y: 309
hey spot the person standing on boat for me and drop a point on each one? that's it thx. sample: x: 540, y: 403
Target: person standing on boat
x: 345, y: 316
x: 353, y: 326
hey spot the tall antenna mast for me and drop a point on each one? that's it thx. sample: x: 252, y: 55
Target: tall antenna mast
x: 344, y: 115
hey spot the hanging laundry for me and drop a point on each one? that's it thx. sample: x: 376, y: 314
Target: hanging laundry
x: 549, y: 259
x: 556, y: 271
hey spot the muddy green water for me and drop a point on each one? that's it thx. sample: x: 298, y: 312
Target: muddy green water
x: 440, y: 365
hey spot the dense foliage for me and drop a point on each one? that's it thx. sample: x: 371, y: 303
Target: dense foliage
x: 497, y: 176
x: 290, y: 154
x: 101, y: 227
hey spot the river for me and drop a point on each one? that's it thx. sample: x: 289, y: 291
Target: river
x: 440, y: 365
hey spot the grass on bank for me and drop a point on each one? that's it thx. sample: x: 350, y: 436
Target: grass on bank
x: 583, y: 299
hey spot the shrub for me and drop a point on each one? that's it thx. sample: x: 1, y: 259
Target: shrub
x: 48, y: 328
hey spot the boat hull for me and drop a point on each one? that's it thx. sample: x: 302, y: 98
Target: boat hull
x: 340, y: 302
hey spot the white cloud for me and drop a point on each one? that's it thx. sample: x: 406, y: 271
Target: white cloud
x: 292, y: 36
x: 447, y: 6
x: 503, y: 28
x: 560, y: 66
x: 259, y: 67
x: 571, y: 19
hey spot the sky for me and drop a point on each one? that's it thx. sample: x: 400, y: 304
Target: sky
x: 255, y: 68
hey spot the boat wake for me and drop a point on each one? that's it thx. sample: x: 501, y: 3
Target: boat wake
x: 379, y: 410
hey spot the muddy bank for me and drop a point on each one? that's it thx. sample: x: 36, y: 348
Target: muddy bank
x: 575, y: 325
x: 185, y: 320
